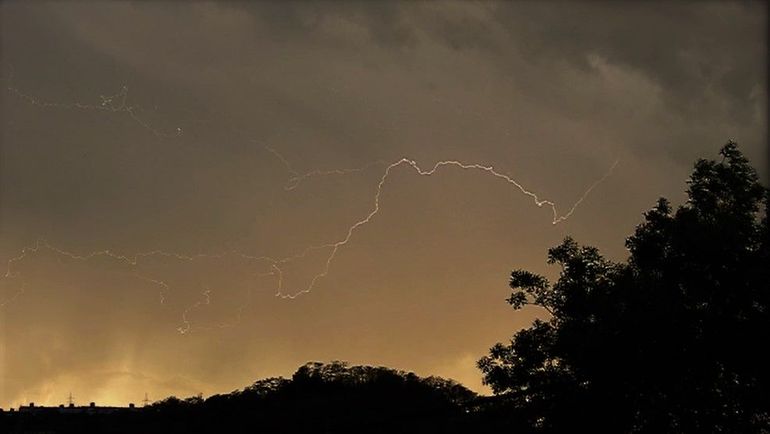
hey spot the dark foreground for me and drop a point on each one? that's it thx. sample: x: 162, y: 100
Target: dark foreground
x: 319, y: 398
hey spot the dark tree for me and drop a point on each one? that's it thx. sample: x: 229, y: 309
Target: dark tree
x: 674, y: 340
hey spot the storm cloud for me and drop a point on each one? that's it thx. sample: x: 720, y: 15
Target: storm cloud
x: 550, y: 93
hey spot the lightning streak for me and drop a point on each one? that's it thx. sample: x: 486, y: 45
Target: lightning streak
x: 117, y: 103
x: 132, y: 261
x: 187, y: 325
x: 296, y: 178
x: 273, y: 267
x: 335, y: 246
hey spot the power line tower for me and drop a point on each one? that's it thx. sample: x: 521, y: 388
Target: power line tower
x: 70, y: 400
x: 145, y: 401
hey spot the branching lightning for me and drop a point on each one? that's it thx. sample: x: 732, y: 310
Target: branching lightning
x: 335, y: 246
x: 187, y: 326
x: 116, y: 103
x: 297, y: 178
x: 269, y: 267
x: 273, y: 266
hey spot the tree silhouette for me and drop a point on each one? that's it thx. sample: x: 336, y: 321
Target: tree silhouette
x: 673, y: 340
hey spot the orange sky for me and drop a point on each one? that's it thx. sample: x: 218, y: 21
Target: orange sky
x: 147, y: 127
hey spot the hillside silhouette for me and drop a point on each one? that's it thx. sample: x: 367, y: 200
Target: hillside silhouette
x: 318, y: 398
x: 672, y: 340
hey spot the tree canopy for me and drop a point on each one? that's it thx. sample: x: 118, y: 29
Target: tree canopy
x: 672, y: 340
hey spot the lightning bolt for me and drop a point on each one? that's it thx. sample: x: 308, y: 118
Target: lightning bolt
x: 274, y: 265
x: 187, y: 326
x: 296, y: 178
x: 335, y: 246
x: 270, y: 267
x: 116, y: 103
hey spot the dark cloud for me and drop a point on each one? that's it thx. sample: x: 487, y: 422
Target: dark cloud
x: 688, y: 49
x: 551, y: 93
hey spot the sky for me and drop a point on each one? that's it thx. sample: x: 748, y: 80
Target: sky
x: 197, y: 195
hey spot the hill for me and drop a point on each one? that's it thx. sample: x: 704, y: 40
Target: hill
x: 318, y: 398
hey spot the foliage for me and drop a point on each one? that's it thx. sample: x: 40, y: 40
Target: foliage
x: 671, y: 340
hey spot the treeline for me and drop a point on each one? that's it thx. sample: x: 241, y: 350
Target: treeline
x: 318, y: 398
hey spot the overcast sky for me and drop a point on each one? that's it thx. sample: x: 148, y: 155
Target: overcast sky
x: 136, y: 127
